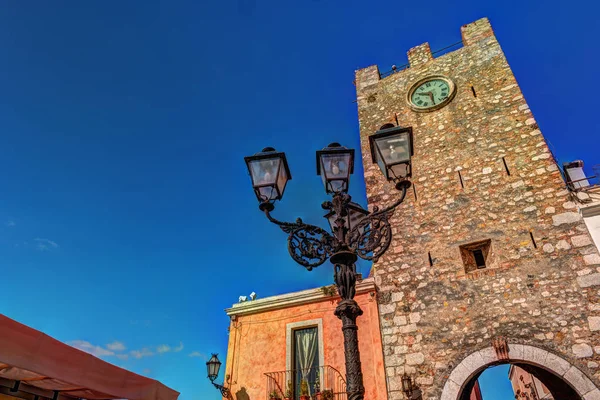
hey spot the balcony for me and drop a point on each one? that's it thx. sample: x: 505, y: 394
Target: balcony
x: 324, y: 383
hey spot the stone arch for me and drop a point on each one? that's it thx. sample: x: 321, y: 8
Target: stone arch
x: 476, y: 362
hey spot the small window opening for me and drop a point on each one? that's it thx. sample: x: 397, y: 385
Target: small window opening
x: 462, y: 184
x: 477, y: 255
x: 414, y: 191
x: 473, y: 90
x: 506, y: 166
x: 479, y: 258
x: 532, y: 240
x: 430, y: 259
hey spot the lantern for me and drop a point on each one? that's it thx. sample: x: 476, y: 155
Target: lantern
x: 213, y: 366
x: 270, y: 173
x: 392, y: 149
x: 335, y: 164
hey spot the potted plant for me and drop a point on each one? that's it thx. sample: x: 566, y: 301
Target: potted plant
x: 317, y: 387
x: 304, y: 390
x: 289, y: 393
x: 274, y: 395
x: 327, y: 394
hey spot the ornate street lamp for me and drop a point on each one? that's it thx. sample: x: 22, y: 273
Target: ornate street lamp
x: 213, y: 366
x: 355, y: 231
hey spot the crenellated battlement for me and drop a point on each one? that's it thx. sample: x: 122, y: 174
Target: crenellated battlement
x: 420, y: 55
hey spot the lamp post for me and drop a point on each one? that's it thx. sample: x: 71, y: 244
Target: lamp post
x: 213, y: 366
x: 356, y: 232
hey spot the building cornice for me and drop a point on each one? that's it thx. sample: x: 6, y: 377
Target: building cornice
x: 292, y: 299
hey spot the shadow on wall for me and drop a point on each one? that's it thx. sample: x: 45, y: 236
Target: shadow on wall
x: 242, y: 394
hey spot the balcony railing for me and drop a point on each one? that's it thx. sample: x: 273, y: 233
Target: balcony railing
x: 324, y: 382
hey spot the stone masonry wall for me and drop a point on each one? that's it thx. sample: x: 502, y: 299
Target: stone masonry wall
x: 433, y: 316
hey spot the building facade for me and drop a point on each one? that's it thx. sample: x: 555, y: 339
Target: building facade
x: 276, y: 342
x: 526, y: 386
x: 492, y: 261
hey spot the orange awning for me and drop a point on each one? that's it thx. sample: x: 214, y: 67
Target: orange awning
x: 33, y: 362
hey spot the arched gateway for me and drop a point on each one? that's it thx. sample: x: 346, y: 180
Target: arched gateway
x: 564, y: 380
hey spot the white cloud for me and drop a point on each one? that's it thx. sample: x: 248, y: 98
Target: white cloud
x: 45, y: 244
x: 10, y: 223
x: 116, y: 346
x: 145, y: 352
x: 197, y: 354
x: 122, y: 356
x: 97, y: 351
x: 163, y: 348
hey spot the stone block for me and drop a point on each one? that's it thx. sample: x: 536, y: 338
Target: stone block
x: 582, y: 350
x: 581, y: 240
x: 591, y: 259
x: 515, y: 351
x: 451, y: 390
x: 539, y: 356
x: 387, y: 308
x: 579, y: 381
x: 415, y: 358
x: 593, y: 395
x: 594, y: 323
x: 565, y: 218
x: 589, y: 280
x: 556, y: 364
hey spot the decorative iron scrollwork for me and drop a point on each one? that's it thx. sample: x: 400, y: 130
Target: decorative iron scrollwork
x: 372, y: 235
x: 309, y: 245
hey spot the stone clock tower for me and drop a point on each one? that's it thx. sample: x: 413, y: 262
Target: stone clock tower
x: 491, y: 262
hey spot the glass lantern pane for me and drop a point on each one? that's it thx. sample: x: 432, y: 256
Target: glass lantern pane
x: 282, y: 179
x: 264, y: 177
x: 331, y: 219
x: 335, y: 171
x: 355, y: 216
x: 264, y: 171
x: 394, y: 149
x: 381, y: 163
x: 399, y: 170
x: 267, y: 193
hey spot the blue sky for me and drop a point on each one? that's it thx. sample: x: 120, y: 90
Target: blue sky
x: 126, y: 213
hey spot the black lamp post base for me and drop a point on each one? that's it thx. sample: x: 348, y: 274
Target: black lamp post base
x: 348, y: 311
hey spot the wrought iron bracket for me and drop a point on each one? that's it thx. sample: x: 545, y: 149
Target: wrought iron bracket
x: 310, y: 245
x: 225, y: 392
x: 372, y: 235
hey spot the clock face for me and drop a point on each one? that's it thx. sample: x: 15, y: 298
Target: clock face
x: 431, y: 94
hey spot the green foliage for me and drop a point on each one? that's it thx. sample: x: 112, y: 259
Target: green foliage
x: 274, y: 395
x: 289, y: 393
x: 303, y: 387
x: 329, y: 290
x: 327, y: 394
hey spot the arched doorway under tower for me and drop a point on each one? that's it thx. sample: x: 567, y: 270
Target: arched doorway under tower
x: 564, y: 380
